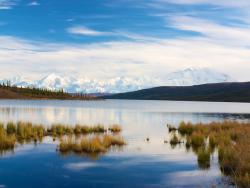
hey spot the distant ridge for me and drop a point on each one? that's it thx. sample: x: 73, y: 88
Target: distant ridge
x: 12, y: 92
x: 218, y: 92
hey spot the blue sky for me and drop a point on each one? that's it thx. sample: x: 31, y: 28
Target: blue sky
x: 131, y: 38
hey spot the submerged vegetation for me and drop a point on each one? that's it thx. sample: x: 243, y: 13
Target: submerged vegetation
x: 232, y: 141
x: 89, y: 139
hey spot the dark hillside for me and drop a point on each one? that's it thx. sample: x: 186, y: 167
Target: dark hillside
x: 228, y: 92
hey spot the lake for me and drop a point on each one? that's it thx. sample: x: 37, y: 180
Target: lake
x: 140, y: 163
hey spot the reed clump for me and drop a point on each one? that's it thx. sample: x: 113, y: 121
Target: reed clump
x: 66, y: 144
x: 188, y: 143
x: 186, y: 128
x: 26, y: 131
x: 175, y: 140
x: 95, y: 144
x: 60, y: 129
x: 213, y: 141
x: 97, y: 129
x: 92, y: 145
x: 109, y: 140
x: 11, y: 128
x: 115, y: 128
x: 6, y: 142
x: 171, y: 128
x: 197, y: 140
x: 203, y: 158
x: 230, y: 138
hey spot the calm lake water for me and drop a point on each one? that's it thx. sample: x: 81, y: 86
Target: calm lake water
x: 138, y: 164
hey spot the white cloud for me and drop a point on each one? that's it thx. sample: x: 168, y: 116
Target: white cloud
x: 33, y: 3
x: 133, y: 59
x: 7, y: 4
x: 225, y: 3
x: 81, y: 166
x: 225, y: 34
x: 82, y: 30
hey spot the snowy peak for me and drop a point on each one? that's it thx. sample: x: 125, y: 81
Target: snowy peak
x: 186, y: 77
x: 196, y: 76
x: 53, y: 81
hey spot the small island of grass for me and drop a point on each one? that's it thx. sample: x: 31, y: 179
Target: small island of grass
x: 78, y: 138
x: 229, y: 138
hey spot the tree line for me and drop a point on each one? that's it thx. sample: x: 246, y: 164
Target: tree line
x: 35, y: 92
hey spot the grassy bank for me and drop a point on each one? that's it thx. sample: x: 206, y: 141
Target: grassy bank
x: 231, y: 140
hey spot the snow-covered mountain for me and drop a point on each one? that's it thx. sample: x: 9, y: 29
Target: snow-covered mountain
x: 196, y: 76
x: 186, y: 77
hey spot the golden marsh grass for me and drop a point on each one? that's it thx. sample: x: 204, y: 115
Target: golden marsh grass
x: 230, y: 138
x: 21, y: 132
x: 94, y: 144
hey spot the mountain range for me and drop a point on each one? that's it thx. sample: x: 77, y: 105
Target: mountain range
x: 186, y: 77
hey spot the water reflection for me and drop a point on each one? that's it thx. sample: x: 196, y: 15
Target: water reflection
x: 112, y: 110
x: 141, y: 163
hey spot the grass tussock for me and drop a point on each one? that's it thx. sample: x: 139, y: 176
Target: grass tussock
x: 186, y: 128
x: 197, y: 140
x: 26, y: 131
x: 175, y: 140
x: 60, y: 129
x: 203, y: 158
x: 109, y: 140
x: 6, y: 142
x: 171, y: 128
x: 230, y: 138
x: 95, y: 144
x: 115, y: 128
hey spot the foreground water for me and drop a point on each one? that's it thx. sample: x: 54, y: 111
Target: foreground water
x: 141, y: 163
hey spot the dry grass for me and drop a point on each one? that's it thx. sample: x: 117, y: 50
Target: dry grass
x: 92, y: 145
x: 26, y: 132
x: 95, y: 144
x: 115, y: 128
x: 174, y: 140
x: 6, y: 142
x: 171, y: 128
x: 232, y: 139
x: 60, y: 129
x: 203, y: 158
x: 197, y: 139
x: 109, y: 140
x: 11, y: 128
x: 186, y: 128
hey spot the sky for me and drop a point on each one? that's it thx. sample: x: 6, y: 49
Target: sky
x: 102, y: 39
